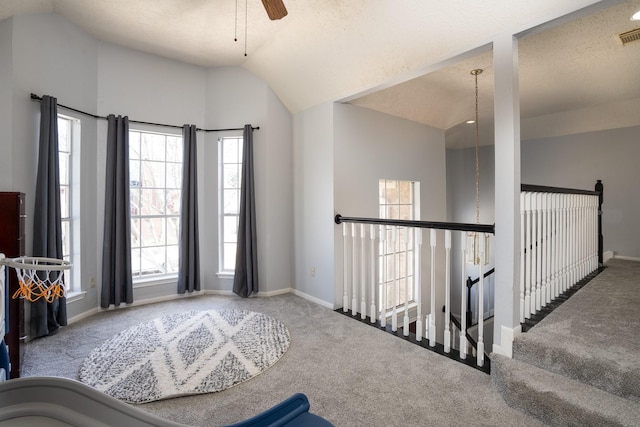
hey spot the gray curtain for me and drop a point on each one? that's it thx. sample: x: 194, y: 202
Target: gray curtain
x: 245, y: 280
x: 189, y: 258
x: 117, y: 284
x: 46, y: 318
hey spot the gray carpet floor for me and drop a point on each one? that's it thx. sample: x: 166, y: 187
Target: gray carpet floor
x: 353, y: 374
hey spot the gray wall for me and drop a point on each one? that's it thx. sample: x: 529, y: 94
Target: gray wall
x: 577, y: 161
x: 574, y: 161
x: 103, y: 78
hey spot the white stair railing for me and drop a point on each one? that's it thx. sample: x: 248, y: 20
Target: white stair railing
x: 559, y: 243
x: 381, y: 284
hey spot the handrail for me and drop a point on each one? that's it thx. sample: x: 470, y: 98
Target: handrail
x: 476, y: 280
x: 544, y: 189
x: 454, y: 226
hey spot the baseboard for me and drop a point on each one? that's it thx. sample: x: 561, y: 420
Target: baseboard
x: 83, y: 315
x: 312, y: 299
x: 506, y: 341
x: 607, y: 255
x: 627, y: 258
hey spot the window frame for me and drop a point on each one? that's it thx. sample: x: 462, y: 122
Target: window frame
x: 167, y: 271
x: 71, y: 232
x: 387, y: 211
x: 226, y: 237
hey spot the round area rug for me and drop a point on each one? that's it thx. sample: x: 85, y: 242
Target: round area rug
x: 187, y: 353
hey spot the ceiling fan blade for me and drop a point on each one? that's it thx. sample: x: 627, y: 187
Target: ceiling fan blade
x: 275, y: 9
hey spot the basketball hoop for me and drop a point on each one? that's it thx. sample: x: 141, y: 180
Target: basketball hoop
x: 38, y: 277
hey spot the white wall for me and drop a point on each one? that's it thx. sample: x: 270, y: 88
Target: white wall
x: 578, y: 161
x: 572, y: 161
x: 369, y: 146
x: 45, y: 54
x: 234, y: 98
x: 313, y: 202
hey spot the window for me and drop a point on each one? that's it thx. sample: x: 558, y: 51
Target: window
x: 230, y: 174
x: 155, y: 173
x: 397, y: 200
x: 68, y: 154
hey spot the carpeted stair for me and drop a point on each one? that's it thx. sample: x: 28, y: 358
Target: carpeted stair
x: 580, y: 366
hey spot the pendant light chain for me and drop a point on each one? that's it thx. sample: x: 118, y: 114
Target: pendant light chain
x: 475, y: 74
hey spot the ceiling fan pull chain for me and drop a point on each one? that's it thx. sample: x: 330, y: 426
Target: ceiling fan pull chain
x: 235, y: 34
x: 246, y: 12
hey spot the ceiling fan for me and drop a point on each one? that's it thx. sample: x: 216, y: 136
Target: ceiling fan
x: 275, y: 9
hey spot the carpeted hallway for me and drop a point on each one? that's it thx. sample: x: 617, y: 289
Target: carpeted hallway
x: 354, y: 375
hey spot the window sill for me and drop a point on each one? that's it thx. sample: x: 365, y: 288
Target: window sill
x: 225, y: 275
x: 145, y: 282
x: 75, y: 296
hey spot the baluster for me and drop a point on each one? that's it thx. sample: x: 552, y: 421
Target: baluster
x: 345, y: 268
x: 523, y: 245
x: 432, y: 320
x: 463, y: 298
x: 447, y: 292
x: 372, y: 272
x: 383, y: 283
x: 554, y: 246
x: 418, y: 283
x: 394, y: 276
x: 529, y: 246
x: 405, y: 319
x: 543, y: 250
x: 354, y: 271
x: 363, y: 275
x: 538, y: 251
x: 480, y: 356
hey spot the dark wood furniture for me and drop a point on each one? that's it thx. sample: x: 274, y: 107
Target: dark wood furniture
x: 12, y: 244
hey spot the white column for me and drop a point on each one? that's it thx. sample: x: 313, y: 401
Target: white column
x: 507, y: 191
x: 405, y: 319
x: 354, y: 271
x: 463, y: 298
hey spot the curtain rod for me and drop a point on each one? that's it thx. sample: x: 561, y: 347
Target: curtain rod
x: 35, y: 97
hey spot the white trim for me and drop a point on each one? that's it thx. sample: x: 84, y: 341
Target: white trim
x: 312, y: 299
x: 75, y: 296
x: 506, y: 341
x: 154, y: 300
x: 155, y: 280
x: 607, y: 256
x: 83, y: 315
x: 628, y: 258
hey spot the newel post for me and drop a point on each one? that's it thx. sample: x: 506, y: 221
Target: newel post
x: 600, y: 189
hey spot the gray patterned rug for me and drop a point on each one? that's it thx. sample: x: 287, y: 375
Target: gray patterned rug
x: 187, y: 353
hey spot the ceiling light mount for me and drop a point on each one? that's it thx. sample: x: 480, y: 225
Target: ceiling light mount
x: 476, y: 72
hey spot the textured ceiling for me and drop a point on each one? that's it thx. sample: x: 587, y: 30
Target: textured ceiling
x: 332, y: 50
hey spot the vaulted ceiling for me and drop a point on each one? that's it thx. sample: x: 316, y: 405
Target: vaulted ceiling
x: 407, y: 58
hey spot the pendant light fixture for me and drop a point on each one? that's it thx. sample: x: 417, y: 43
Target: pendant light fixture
x: 473, y: 239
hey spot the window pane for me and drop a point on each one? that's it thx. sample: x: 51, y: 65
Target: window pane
x: 135, y: 232
x: 405, y: 192
x: 135, y: 262
x: 134, y: 196
x: 173, y: 202
x: 231, y: 150
x: 230, y: 229
x: 173, y: 230
x: 229, y: 262
x: 153, y: 232
x: 63, y: 165
x: 66, y: 241
x: 134, y: 174
x: 153, y: 174
x: 174, y: 149
x: 152, y: 146
x: 134, y: 145
x: 231, y: 175
x: 152, y: 260
x: 152, y: 202
x: 174, y: 175
x: 172, y: 259
x: 64, y: 202
x: 231, y: 201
